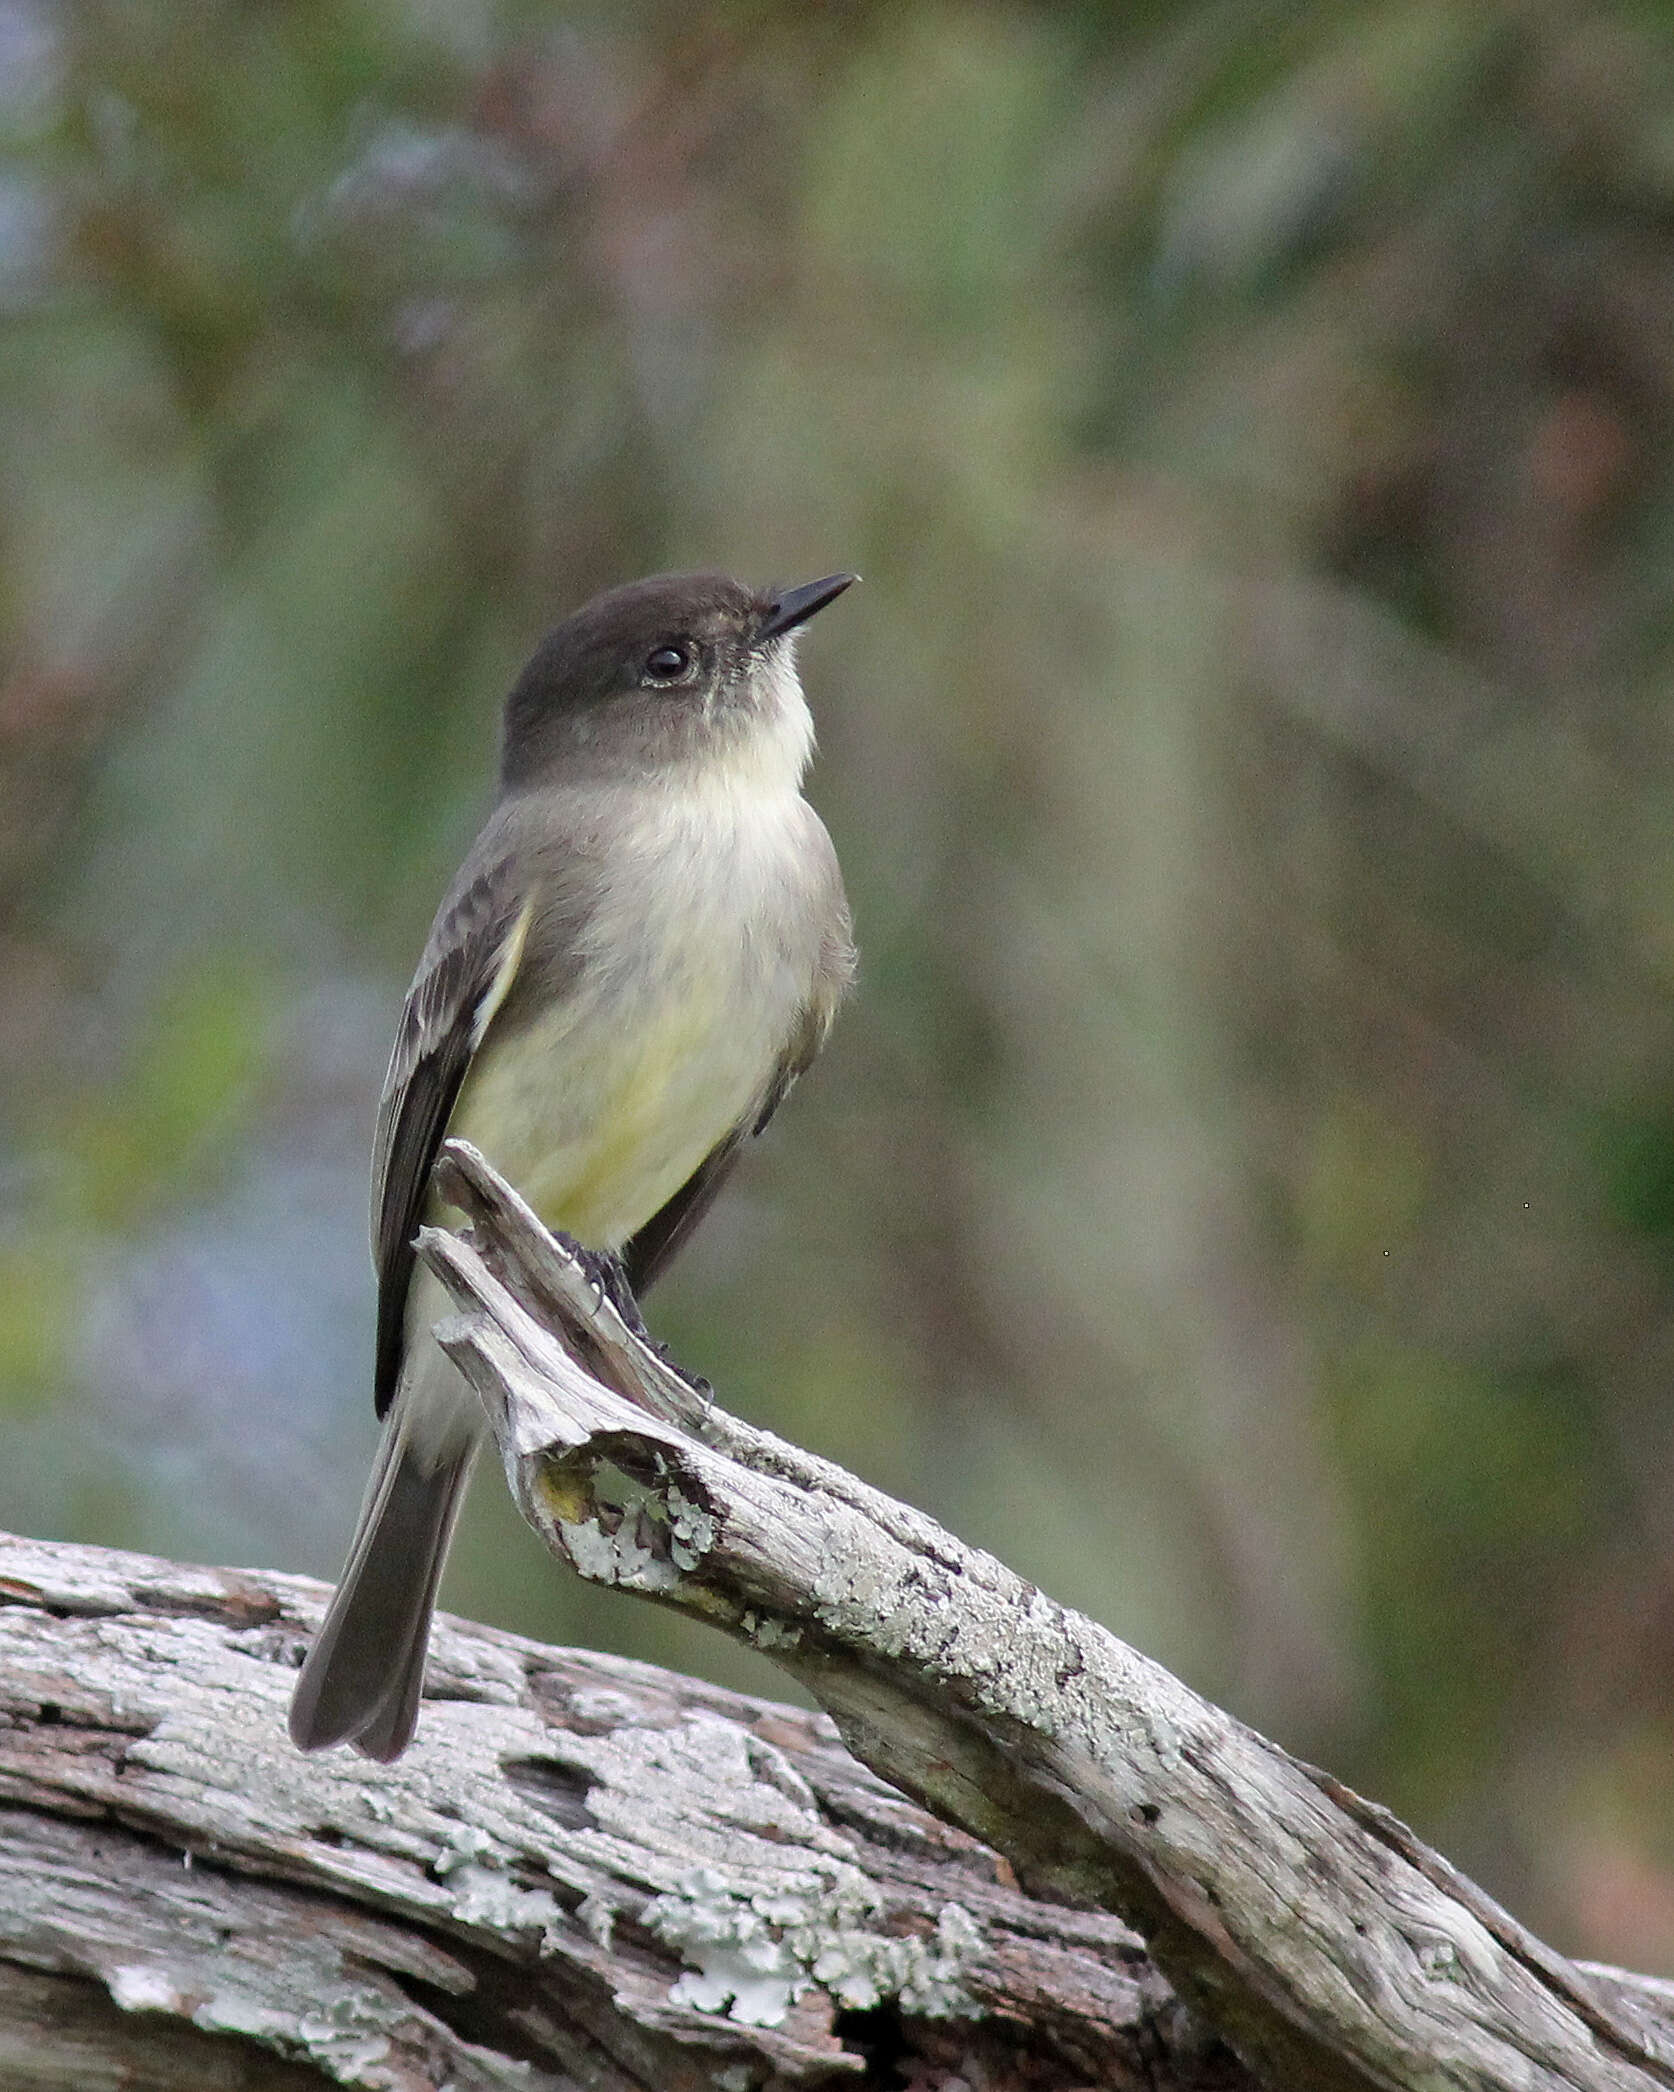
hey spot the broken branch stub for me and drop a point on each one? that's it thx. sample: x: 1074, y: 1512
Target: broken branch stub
x: 1320, y: 1937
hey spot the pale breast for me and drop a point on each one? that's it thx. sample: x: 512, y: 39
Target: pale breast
x: 694, y: 970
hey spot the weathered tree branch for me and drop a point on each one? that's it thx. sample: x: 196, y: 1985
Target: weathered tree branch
x: 587, y: 1873
x: 1315, y: 1933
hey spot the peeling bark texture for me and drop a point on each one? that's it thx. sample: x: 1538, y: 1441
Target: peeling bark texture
x: 584, y: 1873
x: 1312, y: 1931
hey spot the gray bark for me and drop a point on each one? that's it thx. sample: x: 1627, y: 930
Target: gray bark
x: 585, y: 1872
x: 1315, y: 1933
x: 588, y: 1873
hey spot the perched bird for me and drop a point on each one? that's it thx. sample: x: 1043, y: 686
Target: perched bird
x: 643, y: 949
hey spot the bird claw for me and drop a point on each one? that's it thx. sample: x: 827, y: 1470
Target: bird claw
x: 608, y: 1276
x: 610, y: 1280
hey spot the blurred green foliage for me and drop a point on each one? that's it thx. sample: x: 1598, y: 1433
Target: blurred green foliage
x: 1241, y: 1193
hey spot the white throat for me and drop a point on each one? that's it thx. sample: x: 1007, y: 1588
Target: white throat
x: 773, y: 743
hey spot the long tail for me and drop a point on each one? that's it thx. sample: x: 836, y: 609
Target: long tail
x: 362, y: 1680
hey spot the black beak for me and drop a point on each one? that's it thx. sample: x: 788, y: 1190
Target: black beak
x: 794, y: 606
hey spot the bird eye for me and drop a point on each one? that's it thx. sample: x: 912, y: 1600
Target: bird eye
x: 667, y: 664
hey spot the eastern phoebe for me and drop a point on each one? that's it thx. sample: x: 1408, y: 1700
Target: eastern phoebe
x: 642, y: 951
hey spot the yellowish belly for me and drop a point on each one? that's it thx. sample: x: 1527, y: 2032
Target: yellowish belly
x: 598, y: 1122
x: 696, y: 968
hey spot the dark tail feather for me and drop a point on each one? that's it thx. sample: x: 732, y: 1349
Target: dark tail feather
x: 364, y: 1674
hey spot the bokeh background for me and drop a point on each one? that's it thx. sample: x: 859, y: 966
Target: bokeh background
x: 1242, y: 1193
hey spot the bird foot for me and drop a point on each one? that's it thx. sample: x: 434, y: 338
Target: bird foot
x: 609, y: 1274
x: 606, y: 1271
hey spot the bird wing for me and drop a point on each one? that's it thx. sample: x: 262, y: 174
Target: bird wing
x: 649, y: 1250
x: 468, y: 966
x: 645, y: 1253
